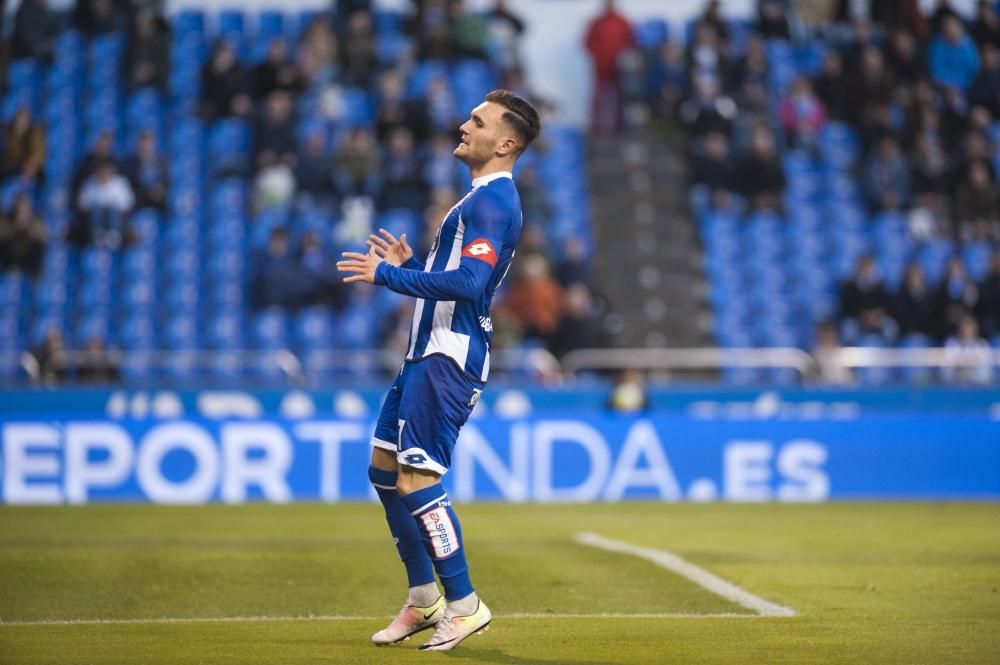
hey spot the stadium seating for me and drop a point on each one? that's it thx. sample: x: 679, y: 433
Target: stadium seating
x: 182, y: 285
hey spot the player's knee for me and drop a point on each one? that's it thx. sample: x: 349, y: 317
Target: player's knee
x: 383, y: 459
x: 411, y: 480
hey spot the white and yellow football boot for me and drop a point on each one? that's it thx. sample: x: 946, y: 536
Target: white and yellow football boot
x: 409, y: 621
x: 452, y: 629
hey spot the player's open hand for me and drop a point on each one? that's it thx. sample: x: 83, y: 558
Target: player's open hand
x: 362, y: 265
x: 394, y: 252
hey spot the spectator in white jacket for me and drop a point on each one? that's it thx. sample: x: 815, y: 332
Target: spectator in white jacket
x: 106, y: 199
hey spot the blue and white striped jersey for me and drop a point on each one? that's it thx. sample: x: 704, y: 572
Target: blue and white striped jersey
x: 454, y: 289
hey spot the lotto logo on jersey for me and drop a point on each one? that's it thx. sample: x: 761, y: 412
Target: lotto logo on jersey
x: 481, y: 249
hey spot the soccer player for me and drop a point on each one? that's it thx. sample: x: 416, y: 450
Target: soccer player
x: 446, y: 368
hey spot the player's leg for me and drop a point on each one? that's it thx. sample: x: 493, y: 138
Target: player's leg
x: 424, y: 605
x: 430, y: 418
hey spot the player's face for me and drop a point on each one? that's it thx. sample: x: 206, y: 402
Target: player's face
x: 482, y: 134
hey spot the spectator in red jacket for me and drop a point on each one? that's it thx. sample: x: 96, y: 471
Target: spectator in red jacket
x: 608, y: 36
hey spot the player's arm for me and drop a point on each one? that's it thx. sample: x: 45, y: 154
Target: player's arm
x: 487, y: 221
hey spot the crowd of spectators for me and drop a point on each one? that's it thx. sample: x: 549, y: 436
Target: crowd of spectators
x: 922, y: 93
x: 297, y: 102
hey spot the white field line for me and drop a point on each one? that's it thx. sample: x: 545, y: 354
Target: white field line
x: 336, y: 617
x: 699, y: 576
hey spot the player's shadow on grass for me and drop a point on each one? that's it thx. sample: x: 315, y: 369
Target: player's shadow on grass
x: 495, y: 656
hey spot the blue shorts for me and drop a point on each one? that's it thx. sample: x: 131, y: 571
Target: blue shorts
x: 427, y: 404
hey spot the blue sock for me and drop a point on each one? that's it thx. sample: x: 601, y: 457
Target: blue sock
x: 419, y: 569
x: 442, y: 537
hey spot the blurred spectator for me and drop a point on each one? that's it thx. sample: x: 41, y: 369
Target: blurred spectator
x: 532, y: 252
x: 608, y: 36
x: 276, y: 72
x: 51, y: 357
x: 24, y: 147
x: 535, y: 205
x: 864, y: 303
x: 317, y: 55
x: 772, y: 23
x: 344, y: 9
x: 394, y: 110
x: 574, y: 268
x: 668, y: 80
x: 469, y: 31
x: 148, y: 174
x: 978, y: 198
x: 106, y: 199
x: 708, y: 110
x: 322, y: 283
x: 578, y: 327
x: 985, y: 90
x: 441, y: 105
x: 628, y: 395
x: 356, y: 170
x: 273, y: 186
x: 147, y: 58
x: 802, y: 114
x: 928, y: 166
x: 431, y: 28
x: 277, y: 276
x: 504, y: 29
x: 762, y: 178
x: 96, y: 364
x: 957, y: 297
x: 94, y: 17
x: 23, y: 238
x: 706, y: 54
x: 954, y: 60
x: 968, y: 356
x: 35, y: 30
x: 863, y: 38
x: 898, y: 15
x: 985, y: 29
x: 713, y: 167
x: 831, y: 87
x: 102, y: 151
x: 988, y: 306
x: 314, y: 170
x: 357, y: 50
x: 913, y: 305
x: 872, y: 85
x: 832, y: 370
x: 441, y: 169
x: 535, y: 298
x: 904, y: 59
x: 224, y: 87
x: 711, y: 19
x: 887, y: 178
x: 275, y: 132
x: 942, y: 12
x: 403, y: 184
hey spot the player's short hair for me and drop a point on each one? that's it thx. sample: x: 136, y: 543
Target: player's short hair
x: 519, y: 114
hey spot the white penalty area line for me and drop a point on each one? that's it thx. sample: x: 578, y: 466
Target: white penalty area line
x: 337, y: 617
x: 688, y: 570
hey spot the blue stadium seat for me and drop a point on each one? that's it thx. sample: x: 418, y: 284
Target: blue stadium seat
x: 180, y: 332
x: 269, y: 329
x: 313, y: 328
x: 225, y: 330
x: 137, y: 331
x: 139, y: 293
x: 137, y: 367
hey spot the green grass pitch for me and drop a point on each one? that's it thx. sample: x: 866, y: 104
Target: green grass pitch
x: 873, y: 583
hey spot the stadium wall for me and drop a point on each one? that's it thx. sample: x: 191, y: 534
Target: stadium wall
x: 157, y: 448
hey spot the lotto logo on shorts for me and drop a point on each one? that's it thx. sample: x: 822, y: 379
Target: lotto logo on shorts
x: 442, y: 532
x: 481, y: 249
